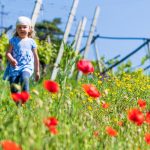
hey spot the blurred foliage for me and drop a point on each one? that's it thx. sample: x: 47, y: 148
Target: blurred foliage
x: 68, y: 62
x: 125, y: 67
x: 3, y: 47
x: 49, y: 28
x: 144, y: 59
x: 46, y: 51
x: 68, y: 55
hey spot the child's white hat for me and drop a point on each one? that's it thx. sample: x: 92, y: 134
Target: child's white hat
x: 22, y: 20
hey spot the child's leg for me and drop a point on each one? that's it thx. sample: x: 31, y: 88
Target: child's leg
x: 13, y: 81
x: 24, y: 79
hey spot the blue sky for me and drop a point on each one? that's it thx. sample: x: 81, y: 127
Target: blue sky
x: 118, y: 18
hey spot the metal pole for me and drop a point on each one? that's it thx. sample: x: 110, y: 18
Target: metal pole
x: 35, y: 12
x: 127, y: 56
x: 93, y: 40
x: 77, y: 47
x: 2, y: 13
x: 68, y: 27
x: 146, y: 67
x: 90, y: 37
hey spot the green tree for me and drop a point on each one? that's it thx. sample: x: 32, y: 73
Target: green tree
x: 49, y: 28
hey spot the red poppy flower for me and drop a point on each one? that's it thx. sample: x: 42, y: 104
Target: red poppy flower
x: 53, y: 130
x: 91, y: 90
x: 50, y: 121
x: 142, y: 103
x: 105, y: 105
x: 22, y: 97
x: 51, y: 86
x: 16, y: 97
x: 85, y: 66
x: 136, y: 116
x: 110, y: 131
x: 147, y: 118
x: 9, y: 145
x: 147, y: 138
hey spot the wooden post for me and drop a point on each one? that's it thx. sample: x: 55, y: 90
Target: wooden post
x: 65, y: 37
x: 84, y: 20
x: 77, y: 47
x: 35, y: 12
x: 100, y: 63
x: 76, y: 38
x: 92, y: 29
x: 77, y: 34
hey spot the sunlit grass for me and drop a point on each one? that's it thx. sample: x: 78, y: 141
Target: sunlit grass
x: 79, y: 116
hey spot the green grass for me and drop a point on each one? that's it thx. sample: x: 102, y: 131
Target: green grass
x: 79, y: 116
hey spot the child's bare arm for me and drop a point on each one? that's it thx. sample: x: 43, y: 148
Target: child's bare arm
x: 10, y: 57
x: 36, y: 65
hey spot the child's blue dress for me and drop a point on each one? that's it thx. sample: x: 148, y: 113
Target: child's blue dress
x: 22, y: 52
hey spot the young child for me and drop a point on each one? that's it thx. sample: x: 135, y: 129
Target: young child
x: 22, y: 56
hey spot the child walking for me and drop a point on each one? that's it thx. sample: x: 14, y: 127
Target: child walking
x: 22, y: 56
